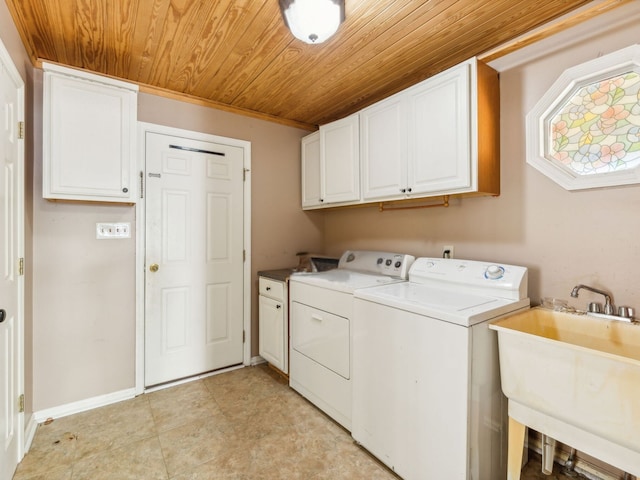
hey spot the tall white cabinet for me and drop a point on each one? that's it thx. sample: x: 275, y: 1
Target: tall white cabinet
x: 89, y: 131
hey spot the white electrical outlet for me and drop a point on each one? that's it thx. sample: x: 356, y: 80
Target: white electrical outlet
x: 110, y: 231
x: 447, y: 251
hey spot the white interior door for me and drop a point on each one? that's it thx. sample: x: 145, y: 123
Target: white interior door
x: 194, y: 257
x: 11, y: 214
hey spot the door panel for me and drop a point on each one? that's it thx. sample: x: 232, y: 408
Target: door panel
x: 11, y: 213
x: 194, y: 214
x: 272, y: 333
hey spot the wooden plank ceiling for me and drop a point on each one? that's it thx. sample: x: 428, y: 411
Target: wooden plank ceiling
x: 239, y: 55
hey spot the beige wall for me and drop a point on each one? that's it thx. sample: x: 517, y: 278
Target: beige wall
x: 84, y: 290
x: 563, y: 237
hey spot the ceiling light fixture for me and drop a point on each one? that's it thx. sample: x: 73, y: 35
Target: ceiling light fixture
x: 312, y: 21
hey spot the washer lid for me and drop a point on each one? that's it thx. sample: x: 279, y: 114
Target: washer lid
x: 343, y: 280
x: 457, y: 307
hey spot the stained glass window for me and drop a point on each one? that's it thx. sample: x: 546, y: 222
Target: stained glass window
x: 584, y: 132
x: 597, y: 130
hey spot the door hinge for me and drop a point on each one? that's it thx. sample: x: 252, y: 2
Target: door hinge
x: 21, y: 130
x: 244, y: 255
x: 244, y: 336
x: 21, y: 266
x: 244, y: 174
x: 141, y: 184
x: 21, y: 403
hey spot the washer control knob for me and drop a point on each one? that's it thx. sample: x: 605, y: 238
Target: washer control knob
x: 380, y: 260
x: 388, y: 262
x: 398, y: 264
x: 494, y: 272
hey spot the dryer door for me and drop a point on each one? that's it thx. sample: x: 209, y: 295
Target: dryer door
x: 321, y: 336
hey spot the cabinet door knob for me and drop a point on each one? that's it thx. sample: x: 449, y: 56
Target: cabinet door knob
x: 125, y: 190
x: 409, y: 190
x: 154, y: 267
x: 403, y: 190
x: 278, y: 306
x: 3, y: 314
x: 268, y: 288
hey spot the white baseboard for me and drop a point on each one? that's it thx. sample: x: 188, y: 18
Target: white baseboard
x: 29, y: 432
x: 257, y: 360
x: 108, y: 399
x: 84, y: 405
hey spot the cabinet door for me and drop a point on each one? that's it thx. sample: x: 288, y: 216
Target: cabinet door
x: 89, y: 140
x: 311, y: 170
x: 340, y: 160
x: 383, y: 149
x: 439, y: 132
x: 272, y: 332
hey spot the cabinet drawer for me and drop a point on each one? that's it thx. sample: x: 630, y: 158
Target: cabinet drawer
x: 271, y: 288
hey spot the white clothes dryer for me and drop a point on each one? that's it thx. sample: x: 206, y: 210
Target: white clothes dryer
x: 321, y: 312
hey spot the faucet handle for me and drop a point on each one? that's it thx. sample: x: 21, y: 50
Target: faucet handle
x: 595, y: 307
x: 609, y: 309
x: 626, y: 312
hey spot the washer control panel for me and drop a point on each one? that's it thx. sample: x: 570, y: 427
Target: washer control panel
x: 383, y: 263
x: 486, y: 278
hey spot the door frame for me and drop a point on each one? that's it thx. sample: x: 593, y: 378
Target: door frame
x: 143, y: 129
x: 12, y: 70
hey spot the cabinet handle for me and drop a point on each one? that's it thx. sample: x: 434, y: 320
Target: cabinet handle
x: 278, y: 306
x: 409, y: 190
x: 322, y: 199
x: 403, y: 190
x: 268, y: 288
x: 315, y: 317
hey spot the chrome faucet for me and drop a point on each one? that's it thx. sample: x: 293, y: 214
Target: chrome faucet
x: 625, y: 314
x: 608, y: 304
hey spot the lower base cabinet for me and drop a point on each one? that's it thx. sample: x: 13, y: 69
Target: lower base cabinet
x: 274, y: 323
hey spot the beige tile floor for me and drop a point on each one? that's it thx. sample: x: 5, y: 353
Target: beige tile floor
x: 240, y: 425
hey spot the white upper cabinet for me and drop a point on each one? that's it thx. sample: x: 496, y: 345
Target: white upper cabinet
x: 439, y: 133
x: 331, y: 164
x: 340, y: 160
x: 311, y: 171
x: 439, y: 137
x: 89, y: 132
x: 383, y: 148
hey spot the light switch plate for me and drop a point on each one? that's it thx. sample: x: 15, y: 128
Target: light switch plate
x: 112, y: 231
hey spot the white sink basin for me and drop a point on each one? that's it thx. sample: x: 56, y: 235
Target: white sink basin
x: 575, y: 378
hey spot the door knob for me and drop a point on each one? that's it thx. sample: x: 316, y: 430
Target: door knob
x: 3, y: 315
x: 154, y: 267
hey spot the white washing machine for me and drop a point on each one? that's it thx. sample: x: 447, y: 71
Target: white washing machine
x: 321, y: 313
x: 427, y: 399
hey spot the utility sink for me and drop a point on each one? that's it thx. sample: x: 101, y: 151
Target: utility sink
x: 575, y: 378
